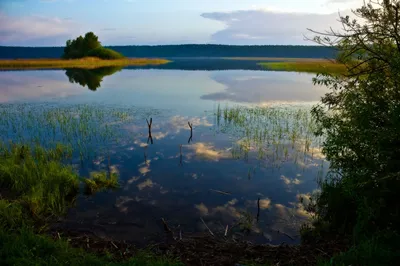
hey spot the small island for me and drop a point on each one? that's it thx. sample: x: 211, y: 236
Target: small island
x: 82, y: 52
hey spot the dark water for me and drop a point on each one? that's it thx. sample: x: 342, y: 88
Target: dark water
x: 177, y: 178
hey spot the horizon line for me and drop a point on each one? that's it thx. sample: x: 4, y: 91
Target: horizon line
x: 155, y: 45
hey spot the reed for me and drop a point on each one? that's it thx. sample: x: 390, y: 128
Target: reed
x: 274, y: 134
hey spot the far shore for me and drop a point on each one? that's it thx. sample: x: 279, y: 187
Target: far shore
x: 88, y: 63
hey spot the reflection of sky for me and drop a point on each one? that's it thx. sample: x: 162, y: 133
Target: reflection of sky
x: 35, y: 85
x: 257, y: 87
x: 191, y: 92
x: 161, y: 187
x: 164, y: 186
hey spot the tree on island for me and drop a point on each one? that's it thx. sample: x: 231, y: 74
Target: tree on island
x: 88, y: 46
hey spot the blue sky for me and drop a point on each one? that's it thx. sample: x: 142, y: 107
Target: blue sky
x: 132, y: 22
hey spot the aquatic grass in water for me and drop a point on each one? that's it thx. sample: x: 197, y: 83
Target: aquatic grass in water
x: 37, y: 178
x: 273, y: 133
x: 99, y: 181
x: 87, y: 129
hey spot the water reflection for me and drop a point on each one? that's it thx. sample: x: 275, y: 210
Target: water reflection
x: 91, y: 78
x: 215, y: 166
x: 264, y: 87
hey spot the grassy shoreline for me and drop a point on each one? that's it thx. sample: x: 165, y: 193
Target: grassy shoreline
x: 277, y: 59
x: 88, y: 63
x: 311, y: 66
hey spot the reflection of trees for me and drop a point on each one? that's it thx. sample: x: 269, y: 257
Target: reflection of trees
x: 91, y: 78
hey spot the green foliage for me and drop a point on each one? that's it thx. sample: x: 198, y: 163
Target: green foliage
x: 91, y: 78
x: 28, y: 248
x: 79, y: 47
x: 104, y: 53
x: 381, y: 249
x: 37, y: 178
x: 12, y: 215
x: 360, y: 119
x: 100, y: 181
x: 88, y: 46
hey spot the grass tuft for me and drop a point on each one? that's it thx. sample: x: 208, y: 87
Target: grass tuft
x: 100, y: 181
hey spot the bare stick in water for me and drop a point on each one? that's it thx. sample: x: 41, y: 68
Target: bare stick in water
x: 191, y: 132
x: 220, y: 192
x: 207, y: 226
x: 150, y: 138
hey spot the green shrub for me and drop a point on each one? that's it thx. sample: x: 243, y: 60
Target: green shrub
x: 380, y: 250
x: 104, y: 53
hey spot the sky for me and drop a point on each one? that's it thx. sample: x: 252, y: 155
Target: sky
x: 156, y: 22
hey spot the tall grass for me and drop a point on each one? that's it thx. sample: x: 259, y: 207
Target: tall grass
x: 37, y: 178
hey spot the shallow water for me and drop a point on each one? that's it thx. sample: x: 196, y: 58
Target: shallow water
x: 177, y: 178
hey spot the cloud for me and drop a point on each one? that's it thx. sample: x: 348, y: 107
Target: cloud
x: 146, y: 184
x: 35, y: 30
x: 289, y: 181
x: 268, y: 27
x: 207, y: 151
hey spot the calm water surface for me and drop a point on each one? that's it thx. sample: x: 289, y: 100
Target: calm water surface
x: 177, y: 178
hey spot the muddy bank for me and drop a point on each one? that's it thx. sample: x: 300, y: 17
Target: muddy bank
x: 205, y: 249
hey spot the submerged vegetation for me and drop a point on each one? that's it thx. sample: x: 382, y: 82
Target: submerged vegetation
x: 317, y: 66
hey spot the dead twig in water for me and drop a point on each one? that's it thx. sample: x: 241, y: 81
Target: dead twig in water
x: 283, y: 233
x: 220, y: 192
x: 207, y: 227
x: 114, y: 245
x: 150, y: 138
x: 258, y: 209
x: 166, y: 227
x: 191, y: 132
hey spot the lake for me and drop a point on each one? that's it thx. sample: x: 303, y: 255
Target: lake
x: 248, y: 163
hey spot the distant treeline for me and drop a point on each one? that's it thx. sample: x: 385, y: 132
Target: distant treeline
x: 184, y: 50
